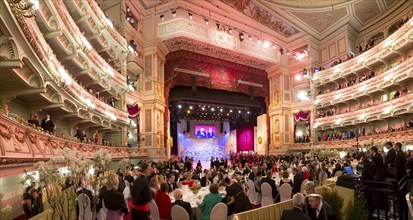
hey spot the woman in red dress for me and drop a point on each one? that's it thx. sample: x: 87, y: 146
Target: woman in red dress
x: 188, y: 179
x: 96, y: 137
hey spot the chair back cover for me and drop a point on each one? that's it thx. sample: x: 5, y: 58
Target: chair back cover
x: 219, y: 212
x: 266, y: 191
x: 85, y: 212
x: 179, y: 213
x: 285, y: 192
x: 154, y: 210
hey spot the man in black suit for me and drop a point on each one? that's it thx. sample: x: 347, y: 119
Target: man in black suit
x: 298, y: 180
x: 378, y: 160
x: 207, y: 179
x: 270, y: 181
x: 253, y: 174
x: 122, y: 184
x: 323, y: 210
x: 210, y: 134
x: 171, y: 182
x: 390, y: 156
x: 399, y: 162
x: 201, y: 133
x: 179, y: 201
x: 297, y: 212
x: 47, y: 124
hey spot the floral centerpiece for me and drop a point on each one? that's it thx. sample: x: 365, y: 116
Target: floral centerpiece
x: 195, y: 188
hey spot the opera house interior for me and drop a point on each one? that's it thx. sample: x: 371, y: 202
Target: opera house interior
x: 203, y: 109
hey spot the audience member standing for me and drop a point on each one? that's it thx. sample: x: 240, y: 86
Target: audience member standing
x: 237, y: 201
x: 298, y: 180
x: 323, y: 210
x: 96, y: 137
x: 390, y: 156
x: 141, y: 195
x: 399, y: 162
x: 163, y: 201
x: 114, y: 201
x: 378, y: 160
x: 47, y: 124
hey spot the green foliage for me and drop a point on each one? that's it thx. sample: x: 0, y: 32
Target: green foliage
x: 333, y: 199
x: 356, y: 210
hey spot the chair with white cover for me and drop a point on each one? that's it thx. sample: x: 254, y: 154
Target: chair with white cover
x: 302, y: 186
x: 219, y: 212
x: 253, y: 196
x: 266, y: 192
x: 179, y: 213
x: 85, y: 212
x: 101, y: 215
x: 338, y: 173
x: 409, y: 203
x: 154, y: 210
x: 322, y: 176
x: 285, y: 192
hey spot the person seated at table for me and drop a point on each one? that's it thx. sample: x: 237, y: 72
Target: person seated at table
x: 207, y: 179
x: 270, y: 181
x: 297, y: 212
x: 188, y: 179
x: 153, y: 186
x: 171, y: 182
x: 178, y: 201
x: 163, y: 201
x: 114, y: 201
x: 220, y: 179
x: 209, y: 201
x: 235, y: 199
x: 285, y: 178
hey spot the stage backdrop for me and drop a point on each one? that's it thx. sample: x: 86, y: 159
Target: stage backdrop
x: 245, y: 138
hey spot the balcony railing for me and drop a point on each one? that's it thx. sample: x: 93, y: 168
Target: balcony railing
x: 59, y: 76
x: 402, y: 37
x: 394, y: 107
x: 383, y: 80
x: 24, y: 144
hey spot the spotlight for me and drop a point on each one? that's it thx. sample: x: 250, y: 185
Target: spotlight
x: 190, y: 107
x: 241, y: 36
x: 162, y: 17
x: 259, y: 41
x: 173, y: 13
x: 206, y: 22
x: 127, y: 9
x: 288, y: 53
x: 273, y: 46
x: 190, y: 15
x: 230, y: 30
x: 179, y: 106
x: 239, y: 111
x: 230, y: 110
x: 249, y: 37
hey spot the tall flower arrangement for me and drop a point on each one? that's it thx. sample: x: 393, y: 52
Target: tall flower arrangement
x: 123, y: 164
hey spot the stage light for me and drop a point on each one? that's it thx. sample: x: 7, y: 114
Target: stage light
x: 179, y: 106
x: 212, y: 109
x: 266, y: 44
x: 221, y: 110
x: 189, y: 112
x: 206, y: 22
x: 230, y: 110
x: 239, y: 111
x: 259, y: 41
x: 230, y: 30
x: 273, y: 46
x: 249, y: 37
x: 190, y: 15
x: 288, y: 53
x: 173, y: 13
x: 241, y: 36
x: 190, y: 107
x: 248, y: 112
x: 162, y: 16
x: 203, y: 108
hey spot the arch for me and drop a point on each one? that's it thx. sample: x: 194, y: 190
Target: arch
x: 82, y: 112
x: 70, y: 106
x: 400, y: 111
x: 96, y: 119
x: 36, y: 81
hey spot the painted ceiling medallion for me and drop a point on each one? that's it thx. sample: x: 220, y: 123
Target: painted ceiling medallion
x: 263, y: 16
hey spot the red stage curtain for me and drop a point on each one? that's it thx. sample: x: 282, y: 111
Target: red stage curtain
x: 245, y: 138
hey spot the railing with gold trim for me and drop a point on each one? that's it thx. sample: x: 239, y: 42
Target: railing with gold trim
x: 397, y: 106
x: 401, y: 37
x: 59, y: 76
x: 21, y: 143
x: 385, y: 79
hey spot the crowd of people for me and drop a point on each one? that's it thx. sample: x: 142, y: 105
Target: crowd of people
x: 344, y: 59
x: 352, y: 134
x: 97, y: 94
x: 324, y: 113
x: 158, y: 181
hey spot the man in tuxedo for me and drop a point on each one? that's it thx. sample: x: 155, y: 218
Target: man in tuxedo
x: 253, y: 174
x: 180, y: 202
x: 207, y: 179
x: 399, y: 162
x: 47, y: 124
x: 267, y: 179
x: 323, y: 210
x: 297, y: 212
x: 390, y: 156
x: 122, y: 184
x: 378, y: 160
x: 201, y: 133
x: 298, y: 180
x: 171, y: 182
x: 210, y: 133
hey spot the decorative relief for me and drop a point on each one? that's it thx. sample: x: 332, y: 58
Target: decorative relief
x: 182, y: 25
x: 251, y: 9
x: 223, y: 39
x: 6, y: 51
x: 259, y: 50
